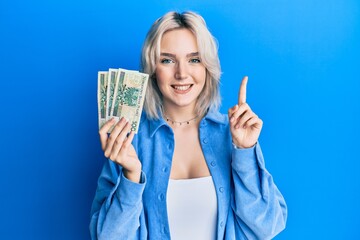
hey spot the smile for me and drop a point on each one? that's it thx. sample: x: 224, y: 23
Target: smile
x: 182, y: 88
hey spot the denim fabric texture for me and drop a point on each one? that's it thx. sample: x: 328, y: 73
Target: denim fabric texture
x: 250, y: 206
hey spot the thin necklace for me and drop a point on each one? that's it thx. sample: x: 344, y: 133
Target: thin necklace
x: 181, y: 123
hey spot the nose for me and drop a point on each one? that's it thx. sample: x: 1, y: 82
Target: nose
x: 181, y: 71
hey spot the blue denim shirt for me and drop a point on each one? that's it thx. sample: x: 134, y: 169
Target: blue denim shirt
x: 250, y: 205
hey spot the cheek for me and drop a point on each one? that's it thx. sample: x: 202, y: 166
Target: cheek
x: 161, y: 79
x: 202, y: 75
x: 161, y: 76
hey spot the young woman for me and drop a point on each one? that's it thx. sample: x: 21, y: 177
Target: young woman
x: 190, y: 172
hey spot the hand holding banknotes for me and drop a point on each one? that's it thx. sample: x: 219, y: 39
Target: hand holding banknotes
x: 121, y: 95
x: 118, y: 148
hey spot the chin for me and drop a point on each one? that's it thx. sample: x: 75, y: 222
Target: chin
x: 183, y: 103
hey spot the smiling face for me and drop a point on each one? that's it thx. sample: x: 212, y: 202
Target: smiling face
x: 180, y: 73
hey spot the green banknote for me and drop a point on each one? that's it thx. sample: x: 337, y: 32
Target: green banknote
x: 127, y: 96
x: 111, y: 90
x: 102, y: 96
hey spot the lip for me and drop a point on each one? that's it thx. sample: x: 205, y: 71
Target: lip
x: 182, y: 88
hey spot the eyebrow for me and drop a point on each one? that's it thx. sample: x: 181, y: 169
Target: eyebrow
x: 193, y: 54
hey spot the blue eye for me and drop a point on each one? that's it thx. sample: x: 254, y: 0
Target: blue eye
x: 166, y: 61
x: 195, y: 60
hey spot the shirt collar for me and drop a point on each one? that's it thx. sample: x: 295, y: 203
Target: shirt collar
x: 155, y: 124
x: 213, y: 116
x: 216, y: 117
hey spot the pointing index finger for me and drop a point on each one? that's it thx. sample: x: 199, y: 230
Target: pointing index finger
x: 242, y: 91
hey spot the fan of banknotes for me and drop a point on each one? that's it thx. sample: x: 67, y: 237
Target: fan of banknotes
x: 121, y: 93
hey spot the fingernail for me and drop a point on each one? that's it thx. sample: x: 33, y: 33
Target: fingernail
x: 244, y: 126
x: 232, y: 119
x: 125, y: 120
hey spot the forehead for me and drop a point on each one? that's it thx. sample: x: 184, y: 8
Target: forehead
x: 178, y: 41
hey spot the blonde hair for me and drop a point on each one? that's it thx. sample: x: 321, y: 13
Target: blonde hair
x: 209, y: 98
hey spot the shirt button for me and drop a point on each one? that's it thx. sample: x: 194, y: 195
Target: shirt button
x: 222, y: 224
x: 205, y: 140
x: 161, y: 197
x: 213, y: 163
x: 221, y: 189
x: 164, y: 169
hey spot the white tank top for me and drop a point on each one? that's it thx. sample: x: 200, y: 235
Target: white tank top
x: 192, y: 209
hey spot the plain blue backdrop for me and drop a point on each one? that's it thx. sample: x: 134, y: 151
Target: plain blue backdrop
x: 302, y: 59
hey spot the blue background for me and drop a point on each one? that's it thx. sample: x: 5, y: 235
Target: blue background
x: 302, y: 59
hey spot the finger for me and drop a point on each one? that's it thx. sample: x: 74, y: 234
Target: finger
x: 119, y: 141
x: 114, y: 134
x: 231, y: 112
x: 129, y: 139
x: 255, y: 122
x: 243, y: 119
x: 232, y: 109
x: 239, y: 112
x: 127, y: 142
x: 242, y: 90
x: 103, y: 132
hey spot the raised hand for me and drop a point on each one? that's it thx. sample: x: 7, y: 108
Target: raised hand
x: 245, y: 125
x: 118, y: 148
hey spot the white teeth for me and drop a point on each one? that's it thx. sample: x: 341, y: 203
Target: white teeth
x: 182, y: 88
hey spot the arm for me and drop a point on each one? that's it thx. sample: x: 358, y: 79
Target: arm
x: 117, y: 206
x: 260, y: 209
